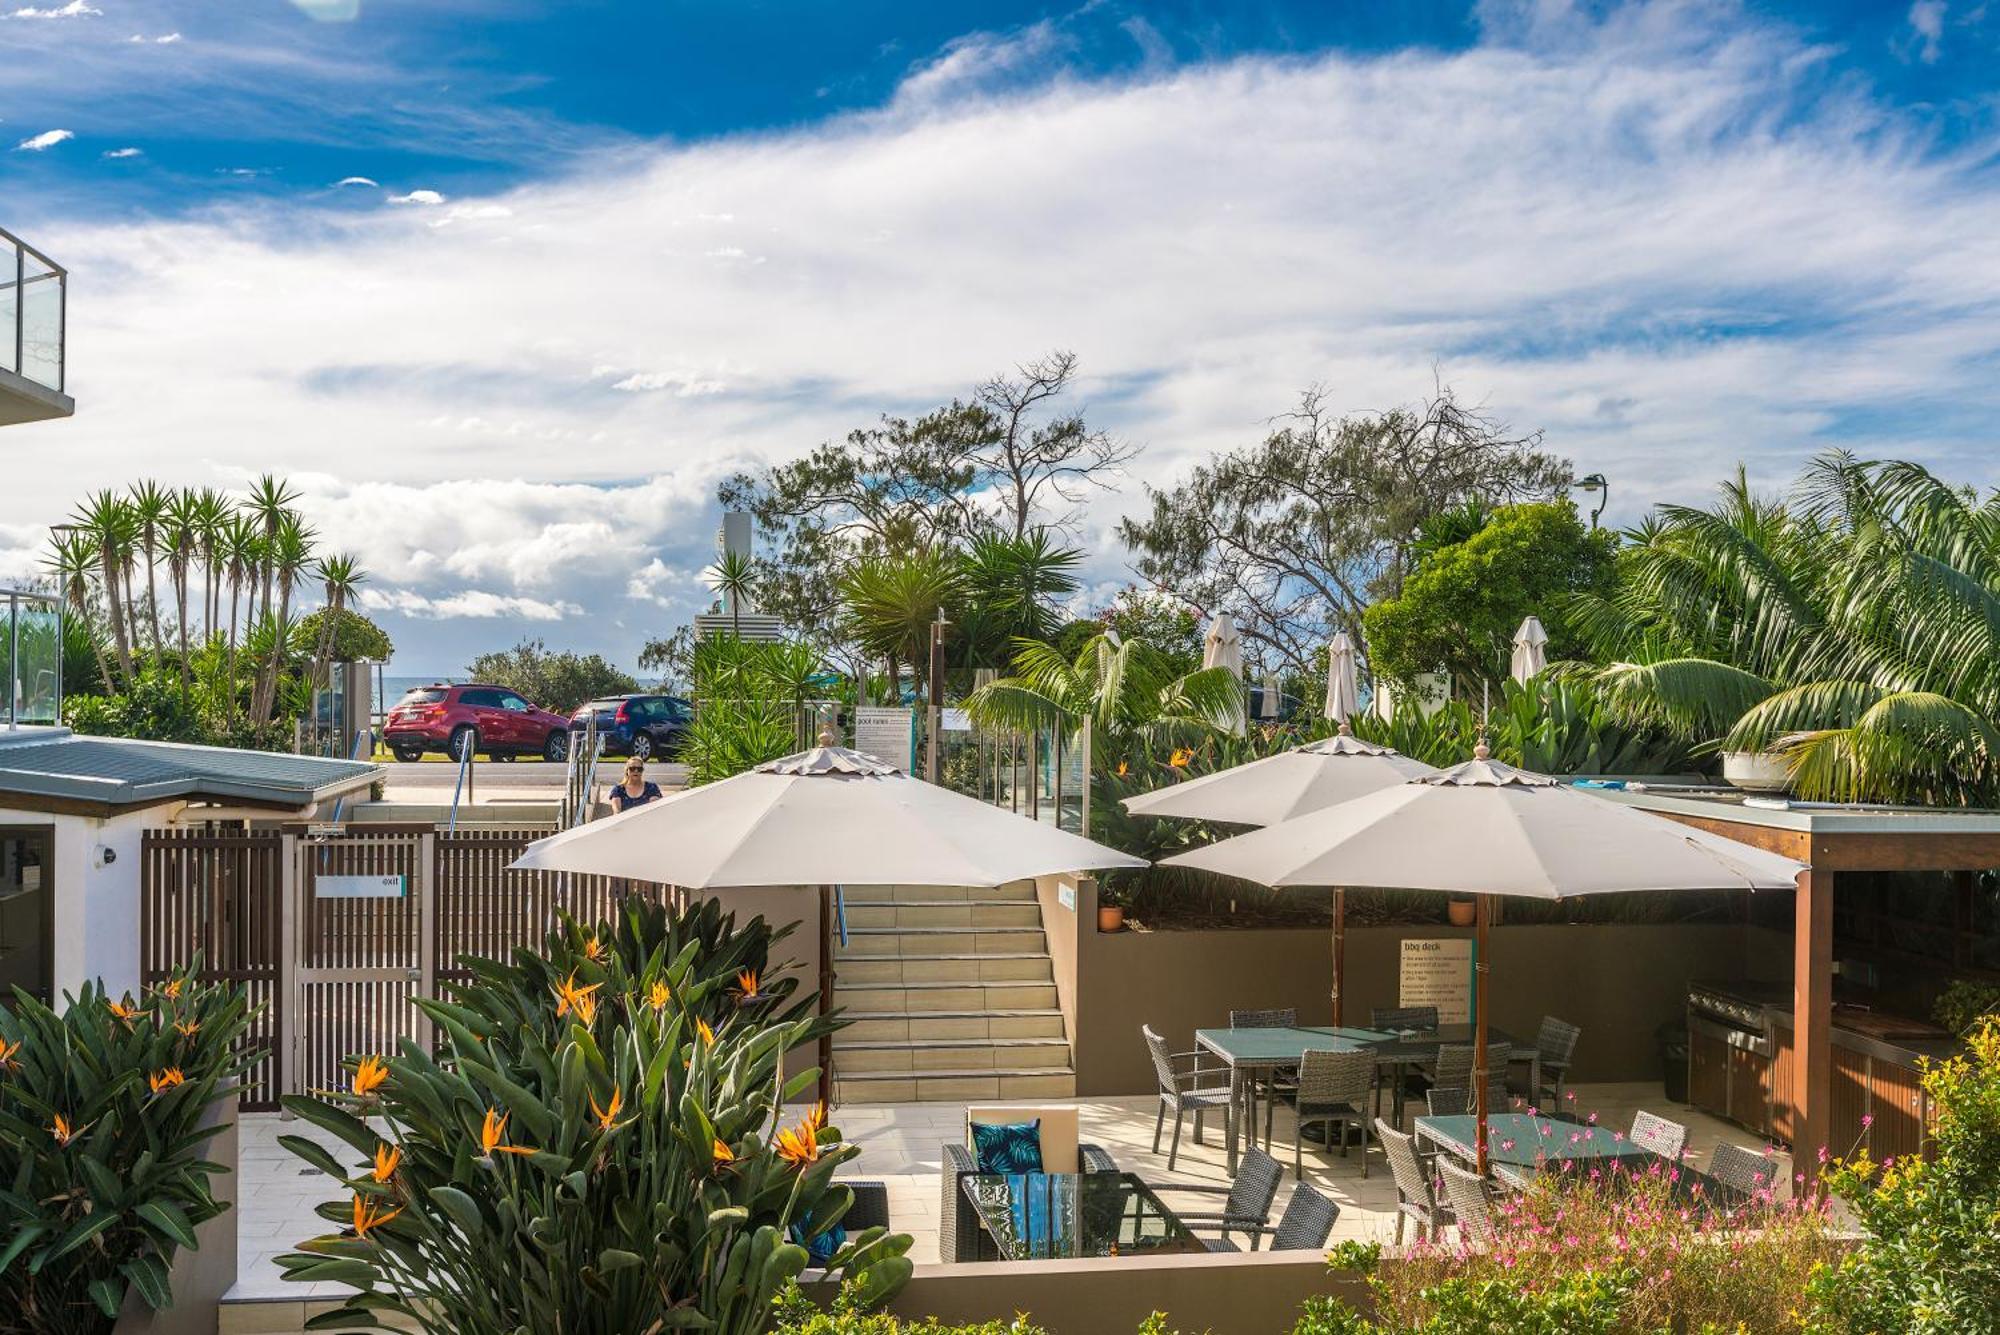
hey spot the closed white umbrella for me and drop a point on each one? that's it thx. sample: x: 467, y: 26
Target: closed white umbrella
x: 1223, y: 645
x: 824, y: 817
x: 1484, y: 828
x: 1343, y: 688
x: 1531, y: 650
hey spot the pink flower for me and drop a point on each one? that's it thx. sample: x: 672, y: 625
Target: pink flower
x: 1590, y: 1120
x: 1822, y: 1154
x: 1867, y: 1120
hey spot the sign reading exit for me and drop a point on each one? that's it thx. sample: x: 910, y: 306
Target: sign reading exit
x: 358, y: 887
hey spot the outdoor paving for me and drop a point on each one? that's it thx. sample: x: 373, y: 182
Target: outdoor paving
x: 901, y: 1148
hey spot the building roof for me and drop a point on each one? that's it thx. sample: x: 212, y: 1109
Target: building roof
x: 52, y: 767
x: 1788, y: 813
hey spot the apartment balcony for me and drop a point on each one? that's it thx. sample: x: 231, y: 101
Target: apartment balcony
x: 34, y: 295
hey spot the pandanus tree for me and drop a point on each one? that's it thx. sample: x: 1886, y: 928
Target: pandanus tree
x: 339, y: 576
x: 1851, y: 627
x: 890, y: 604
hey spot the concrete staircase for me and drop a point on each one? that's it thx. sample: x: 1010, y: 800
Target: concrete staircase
x: 951, y: 997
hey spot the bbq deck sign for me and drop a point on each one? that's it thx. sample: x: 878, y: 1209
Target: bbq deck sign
x: 1438, y: 973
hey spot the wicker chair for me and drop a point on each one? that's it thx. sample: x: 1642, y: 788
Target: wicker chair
x: 870, y: 1208
x: 1555, y: 1046
x: 1453, y: 1102
x: 1414, y: 1197
x: 1742, y: 1169
x: 1664, y: 1138
x: 1498, y: 1057
x: 1333, y: 1091
x: 1406, y: 1082
x: 1184, y: 1092
x: 1396, y: 1018
x: 961, y: 1237
x: 1280, y: 1081
x: 1305, y: 1225
x: 1247, y: 1206
x: 1467, y: 1194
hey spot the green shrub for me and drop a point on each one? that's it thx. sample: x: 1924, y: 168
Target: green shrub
x: 1582, y: 1304
x: 597, y: 1147
x: 799, y: 1315
x: 102, y: 1178
x: 1931, y: 1262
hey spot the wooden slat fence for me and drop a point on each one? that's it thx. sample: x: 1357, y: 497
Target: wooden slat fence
x: 486, y: 910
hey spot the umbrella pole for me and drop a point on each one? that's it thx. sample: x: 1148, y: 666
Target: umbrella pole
x: 1339, y: 950
x: 1483, y: 920
x: 827, y: 994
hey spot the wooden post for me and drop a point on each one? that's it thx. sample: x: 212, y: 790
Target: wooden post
x: 285, y: 1077
x: 1339, y: 951
x: 1483, y: 922
x: 1812, y: 1021
x: 826, y: 992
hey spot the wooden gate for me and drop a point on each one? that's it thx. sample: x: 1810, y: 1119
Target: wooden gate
x: 334, y: 936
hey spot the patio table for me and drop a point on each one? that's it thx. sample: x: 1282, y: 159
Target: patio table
x: 1518, y: 1147
x: 1065, y: 1216
x: 1250, y: 1053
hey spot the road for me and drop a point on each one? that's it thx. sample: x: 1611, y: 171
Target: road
x: 514, y: 774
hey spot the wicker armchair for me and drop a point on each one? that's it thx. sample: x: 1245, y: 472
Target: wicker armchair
x: 1455, y: 1101
x: 1305, y: 1225
x: 1414, y: 1197
x: 960, y: 1234
x: 1247, y: 1206
x: 1555, y: 1047
x: 1398, y: 1018
x: 1467, y: 1194
x: 1280, y: 1081
x: 1183, y: 1092
x: 870, y: 1208
x: 1397, y: 1076
x: 1742, y: 1169
x: 1664, y: 1138
x: 1333, y: 1091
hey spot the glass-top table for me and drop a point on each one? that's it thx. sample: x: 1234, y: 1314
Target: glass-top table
x: 1066, y: 1216
x: 1520, y: 1147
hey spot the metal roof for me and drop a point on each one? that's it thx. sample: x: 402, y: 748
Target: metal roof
x: 119, y: 772
x: 1782, y: 813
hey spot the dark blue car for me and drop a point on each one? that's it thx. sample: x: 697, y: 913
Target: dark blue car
x: 636, y: 725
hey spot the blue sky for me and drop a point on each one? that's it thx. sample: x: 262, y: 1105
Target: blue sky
x: 510, y: 286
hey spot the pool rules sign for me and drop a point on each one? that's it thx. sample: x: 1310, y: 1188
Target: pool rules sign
x: 1438, y: 973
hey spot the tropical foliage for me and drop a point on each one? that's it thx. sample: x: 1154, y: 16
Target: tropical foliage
x: 753, y: 702
x: 1547, y: 724
x: 1852, y: 627
x: 849, y: 1314
x: 559, y: 680
x: 600, y: 1145
x: 1931, y: 1262
x: 104, y: 1117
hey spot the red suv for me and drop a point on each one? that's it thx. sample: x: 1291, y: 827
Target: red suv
x: 457, y: 719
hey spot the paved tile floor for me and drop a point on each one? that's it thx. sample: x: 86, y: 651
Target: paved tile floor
x: 901, y: 1147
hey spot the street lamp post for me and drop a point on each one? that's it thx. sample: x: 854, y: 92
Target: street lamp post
x: 1595, y: 482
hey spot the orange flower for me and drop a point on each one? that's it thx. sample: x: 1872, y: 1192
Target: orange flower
x: 63, y: 1131
x: 490, y: 1132
x: 607, y: 1118
x: 799, y: 1147
x: 171, y: 988
x: 707, y: 1035
x: 658, y: 995
x: 166, y: 1079
x: 1180, y: 758
x: 125, y: 1010
x: 370, y: 1076
x: 1123, y: 769
x: 569, y: 995
x: 366, y: 1219
x: 723, y: 1154
x: 188, y: 1028
x: 593, y: 949
x: 8, y: 1051
x: 746, y: 983
x: 387, y: 1156
x: 816, y: 1119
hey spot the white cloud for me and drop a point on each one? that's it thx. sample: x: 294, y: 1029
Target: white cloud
x: 122, y: 153
x: 47, y: 139
x: 356, y: 180
x: 1927, y: 24
x: 166, y: 39
x: 423, y: 197
x: 75, y: 9
x: 476, y: 604
x: 1618, y: 231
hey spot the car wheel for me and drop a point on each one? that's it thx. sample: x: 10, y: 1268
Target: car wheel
x: 409, y: 755
x: 464, y: 742
x: 557, y: 747
x: 642, y: 745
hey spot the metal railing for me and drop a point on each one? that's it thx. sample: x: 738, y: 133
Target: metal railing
x: 31, y: 639
x: 34, y: 313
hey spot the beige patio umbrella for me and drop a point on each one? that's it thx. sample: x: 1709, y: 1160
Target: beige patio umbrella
x: 1531, y: 650
x: 1343, y: 689
x: 1279, y: 788
x: 1222, y: 647
x: 1488, y: 829
x: 825, y: 817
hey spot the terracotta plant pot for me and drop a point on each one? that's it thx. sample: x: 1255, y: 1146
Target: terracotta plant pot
x: 1462, y: 912
x: 1110, y: 917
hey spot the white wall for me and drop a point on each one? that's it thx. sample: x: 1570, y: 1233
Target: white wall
x: 96, y: 906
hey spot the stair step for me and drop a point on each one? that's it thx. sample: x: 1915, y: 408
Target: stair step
x: 933, y: 998
x: 960, y: 1086
x: 871, y: 942
x: 881, y: 970
x: 979, y: 1054
x: 976, y: 914
x: 1018, y: 892
x: 928, y: 1024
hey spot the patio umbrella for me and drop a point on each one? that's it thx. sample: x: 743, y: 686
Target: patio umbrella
x: 825, y: 817
x: 1278, y: 788
x: 1487, y: 829
x: 1223, y: 645
x: 1531, y: 652
x: 1343, y: 692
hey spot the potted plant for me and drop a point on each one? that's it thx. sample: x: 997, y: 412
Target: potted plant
x: 1462, y: 912
x: 1110, y: 917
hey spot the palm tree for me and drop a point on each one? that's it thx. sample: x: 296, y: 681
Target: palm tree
x: 733, y: 577
x: 1852, y: 628
x: 1118, y: 689
x: 72, y: 561
x: 339, y: 576
x: 269, y: 502
x: 214, y: 513
x: 1009, y: 589
x: 240, y: 550
x: 289, y: 556
x: 890, y: 604
x: 181, y: 528
x: 149, y: 509
x: 107, y: 520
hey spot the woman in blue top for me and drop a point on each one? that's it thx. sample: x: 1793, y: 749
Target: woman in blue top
x: 635, y: 791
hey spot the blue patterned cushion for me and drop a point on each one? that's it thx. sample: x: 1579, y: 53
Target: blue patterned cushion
x: 819, y: 1247
x: 1008, y: 1147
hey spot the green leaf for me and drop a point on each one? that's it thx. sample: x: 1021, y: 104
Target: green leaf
x: 166, y: 1217
x: 149, y: 1276
x: 109, y: 1295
